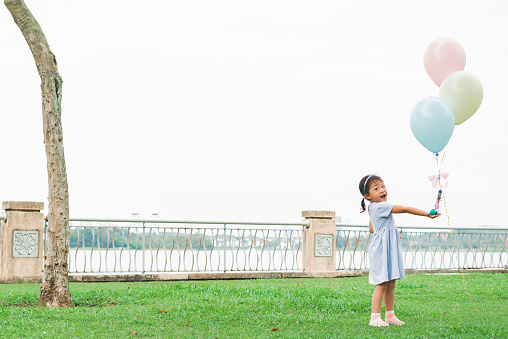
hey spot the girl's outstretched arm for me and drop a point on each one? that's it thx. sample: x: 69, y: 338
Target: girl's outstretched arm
x: 413, y: 210
x: 371, y: 229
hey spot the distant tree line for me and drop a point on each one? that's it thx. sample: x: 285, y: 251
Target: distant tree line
x: 113, y: 237
x: 116, y: 237
x: 430, y: 241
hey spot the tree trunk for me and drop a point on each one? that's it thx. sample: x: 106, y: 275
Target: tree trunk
x: 55, y: 282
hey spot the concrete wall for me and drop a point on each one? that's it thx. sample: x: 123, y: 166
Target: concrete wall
x: 21, y: 241
x: 320, y: 242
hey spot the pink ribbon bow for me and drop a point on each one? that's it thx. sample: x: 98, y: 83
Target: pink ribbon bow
x: 436, y: 180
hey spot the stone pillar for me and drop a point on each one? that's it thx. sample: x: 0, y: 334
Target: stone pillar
x: 320, y: 242
x: 21, y: 242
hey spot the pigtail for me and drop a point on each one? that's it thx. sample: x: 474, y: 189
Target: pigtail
x: 362, y: 204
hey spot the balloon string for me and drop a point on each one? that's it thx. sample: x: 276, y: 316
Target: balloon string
x: 451, y: 235
x: 442, y: 159
x: 441, y: 196
x: 444, y: 153
x: 440, y: 165
x: 457, y: 256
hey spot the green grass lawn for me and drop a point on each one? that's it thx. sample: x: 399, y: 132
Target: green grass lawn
x: 433, y: 306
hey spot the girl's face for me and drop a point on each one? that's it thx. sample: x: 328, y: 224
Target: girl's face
x: 377, y: 192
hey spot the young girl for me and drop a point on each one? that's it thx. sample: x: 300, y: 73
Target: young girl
x: 385, y: 248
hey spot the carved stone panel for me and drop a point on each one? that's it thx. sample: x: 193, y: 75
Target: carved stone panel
x: 323, y: 245
x: 25, y: 244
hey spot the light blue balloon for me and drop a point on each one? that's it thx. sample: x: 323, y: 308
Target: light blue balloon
x: 432, y: 123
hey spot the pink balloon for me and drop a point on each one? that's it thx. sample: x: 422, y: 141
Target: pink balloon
x: 443, y: 57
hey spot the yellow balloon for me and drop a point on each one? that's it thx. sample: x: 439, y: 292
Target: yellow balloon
x: 464, y: 93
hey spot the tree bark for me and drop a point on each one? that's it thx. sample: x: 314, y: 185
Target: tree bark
x: 55, y: 282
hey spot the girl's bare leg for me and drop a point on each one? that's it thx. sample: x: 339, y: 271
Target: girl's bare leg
x: 377, y: 300
x: 389, y: 296
x: 377, y: 297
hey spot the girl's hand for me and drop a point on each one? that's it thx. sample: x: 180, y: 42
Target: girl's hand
x: 433, y: 216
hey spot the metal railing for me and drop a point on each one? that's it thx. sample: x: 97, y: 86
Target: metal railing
x: 155, y: 246
x: 429, y: 248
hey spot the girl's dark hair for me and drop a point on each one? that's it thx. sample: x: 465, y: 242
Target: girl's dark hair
x: 364, y: 186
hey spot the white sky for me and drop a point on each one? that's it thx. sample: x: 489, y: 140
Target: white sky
x: 253, y: 110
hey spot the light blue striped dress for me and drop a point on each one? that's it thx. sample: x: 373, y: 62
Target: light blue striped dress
x: 385, y: 248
